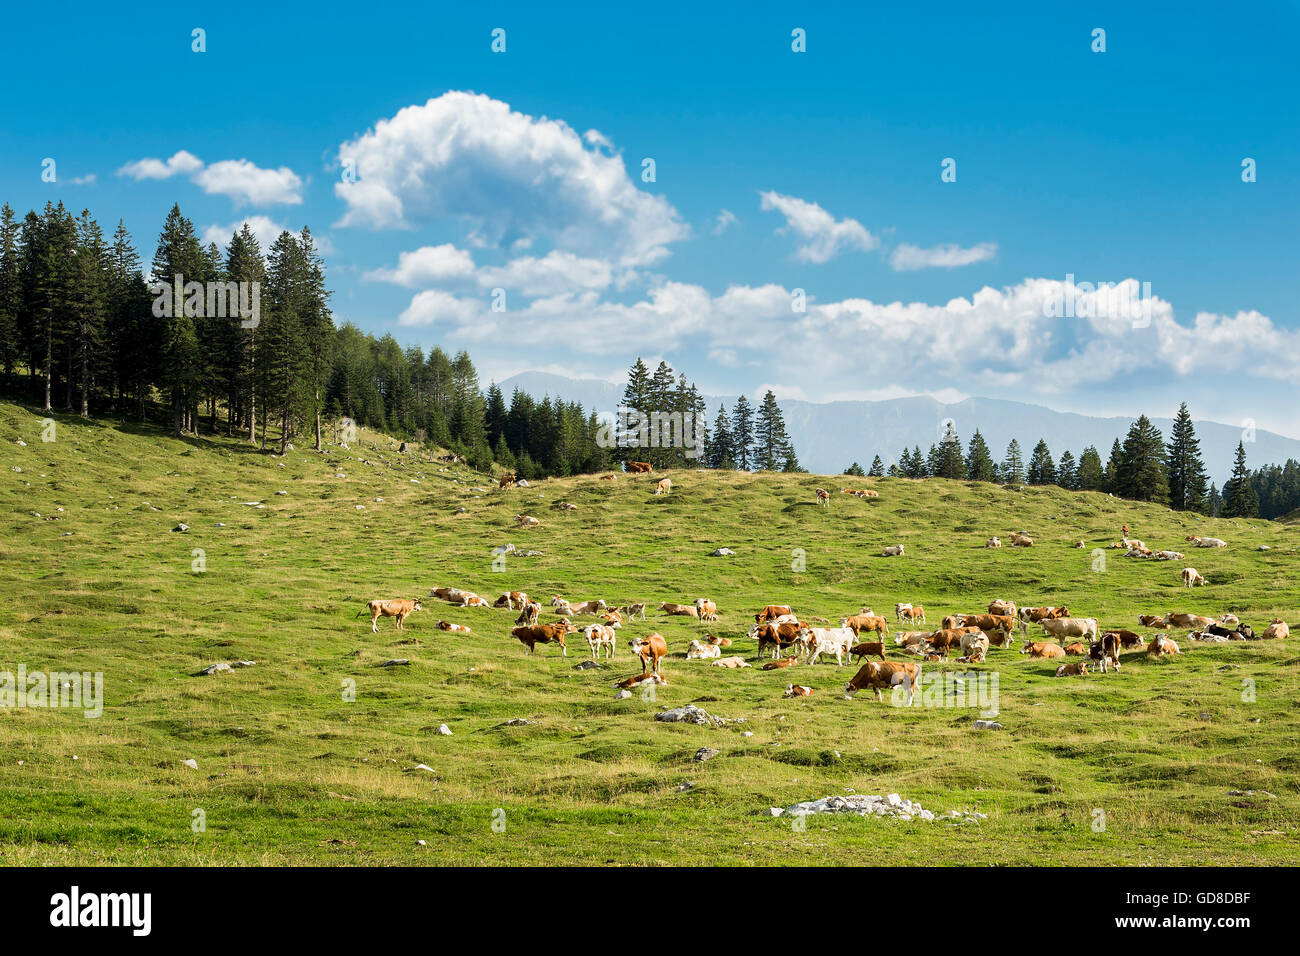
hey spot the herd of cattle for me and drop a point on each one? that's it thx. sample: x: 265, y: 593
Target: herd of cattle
x: 788, y: 640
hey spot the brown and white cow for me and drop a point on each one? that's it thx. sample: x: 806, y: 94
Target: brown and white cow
x: 867, y: 622
x: 772, y: 611
x: 1161, y: 645
x: 511, y: 599
x: 1077, y: 668
x: 877, y: 675
x: 706, y: 609
x: 544, y: 634
x: 1191, y: 576
x: 650, y: 649
x: 600, y: 638
x: 665, y: 486
x: 399, y: 609
x: 448, y: 626
x: 1063, y: 627
x: 639, y: 467
x: 823, y: 497
x: 684, y: 610
x: 1197, y: 621
x: 1043, y: 649
x: 529, y: 615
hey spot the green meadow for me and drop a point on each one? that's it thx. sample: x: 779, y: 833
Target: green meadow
x: 309, y: 756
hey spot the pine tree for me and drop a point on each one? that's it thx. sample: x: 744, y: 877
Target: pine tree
x: 877, y: 469
x: 772, y: 442
x: 720, y: 446
x: 244, y: 264
x: 855, y: 470
x: 1091, y: 475
x: 1239, y: 497
x: 979, y: 462
x: 179, y: 260
x: 90, y: 301
x: 1186, y: 467
x: 1141, y: 474
x: 1110, y: 478
x: 1067, y: 472
x: 1013, y: 467
x: 742, y: 434
x: 1042, y: 470
x: 10, y: 293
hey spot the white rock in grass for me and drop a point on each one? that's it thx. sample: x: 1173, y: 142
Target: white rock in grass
x: 444, y: 730
x: 986, y: 725
x: 220, y: 667
x: 191, y: 763
x: 721, y: 553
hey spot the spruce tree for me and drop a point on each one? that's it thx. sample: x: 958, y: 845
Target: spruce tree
x: 1067, y: 472
x: 949, y: 462
x: 877, y: 469
x: 772, y: 442
x: 1239, y: 497
x: 1091, y: 475
x: 1012, y: 471
x: 979, y: 462
x: 1141, y: 475
x: 721, y: 456
x: 742, y: 434
x: 1186, y: 467
x: 1041, y: 470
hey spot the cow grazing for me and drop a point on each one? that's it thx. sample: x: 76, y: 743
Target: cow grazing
x: 867, y: 649
x: 1161, y: 646
x: 1075, y: 669
x: 915, y: 614
x: 650, y: 649
x: 698, y: 651
x: 823, y: 497
x: 1043, y: 649
x: 685, y: 610
x: 530, y: 636
x: 633, y: 610
x: 877, y: 675
x: 1085, y: 627
x: 664, y: 486
x: 511, y: 599
x: 1278, y: 630
x: 399, y: 609
x: 448, y: 626
x: 731, y: 662
x: 706, y: 609
x: 893, y: 551
x: 1192, y: 576
x: 639, y: 467
x: 507, y: 481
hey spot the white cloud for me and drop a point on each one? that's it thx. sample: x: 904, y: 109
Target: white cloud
x: 245, y: 182
x: 508, y: 176
x: 725, y: 218
x: 908, y: 257
x: 824, y: 236
x: 181, y: 163
x: 238, y: 179
x: 427, y: 265
x: 437, y: 305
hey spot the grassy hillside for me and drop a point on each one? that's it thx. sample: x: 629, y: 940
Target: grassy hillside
x: 94, y: 579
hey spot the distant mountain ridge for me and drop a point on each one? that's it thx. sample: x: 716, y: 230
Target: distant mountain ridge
x: 830, y: 436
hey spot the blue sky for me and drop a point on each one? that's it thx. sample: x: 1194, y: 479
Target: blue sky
x: 1105, y: 166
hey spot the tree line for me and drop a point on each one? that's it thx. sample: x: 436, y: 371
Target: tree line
x: 1143, y: 467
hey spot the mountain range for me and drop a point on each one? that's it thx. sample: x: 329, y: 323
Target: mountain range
x: 830, y: 436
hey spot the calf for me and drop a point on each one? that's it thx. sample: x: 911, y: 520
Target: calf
x: 643, y: 678
x: 448, y: 626
x: 974, y: 642
x: 1075, y: 669
x: 399, y: 609
x: 867, y: 649
x: 797, y: 690
x: 544, y: 634
x: 1077, y: 649
x: 823, y: 498
x: 1161, y: 646
x: 507, y: 481
x: 650, y: 649
x: 913, y: 614
x: 777, y: 636
x: 1153, y: 620
x: 877, y: 675
x: 993, y: 542
x: 1192, y: 576
x: 783, y: 662
x: 664, y: 487
x: 829, y: 640
x: 731, y: 662
x: 600, y: 638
